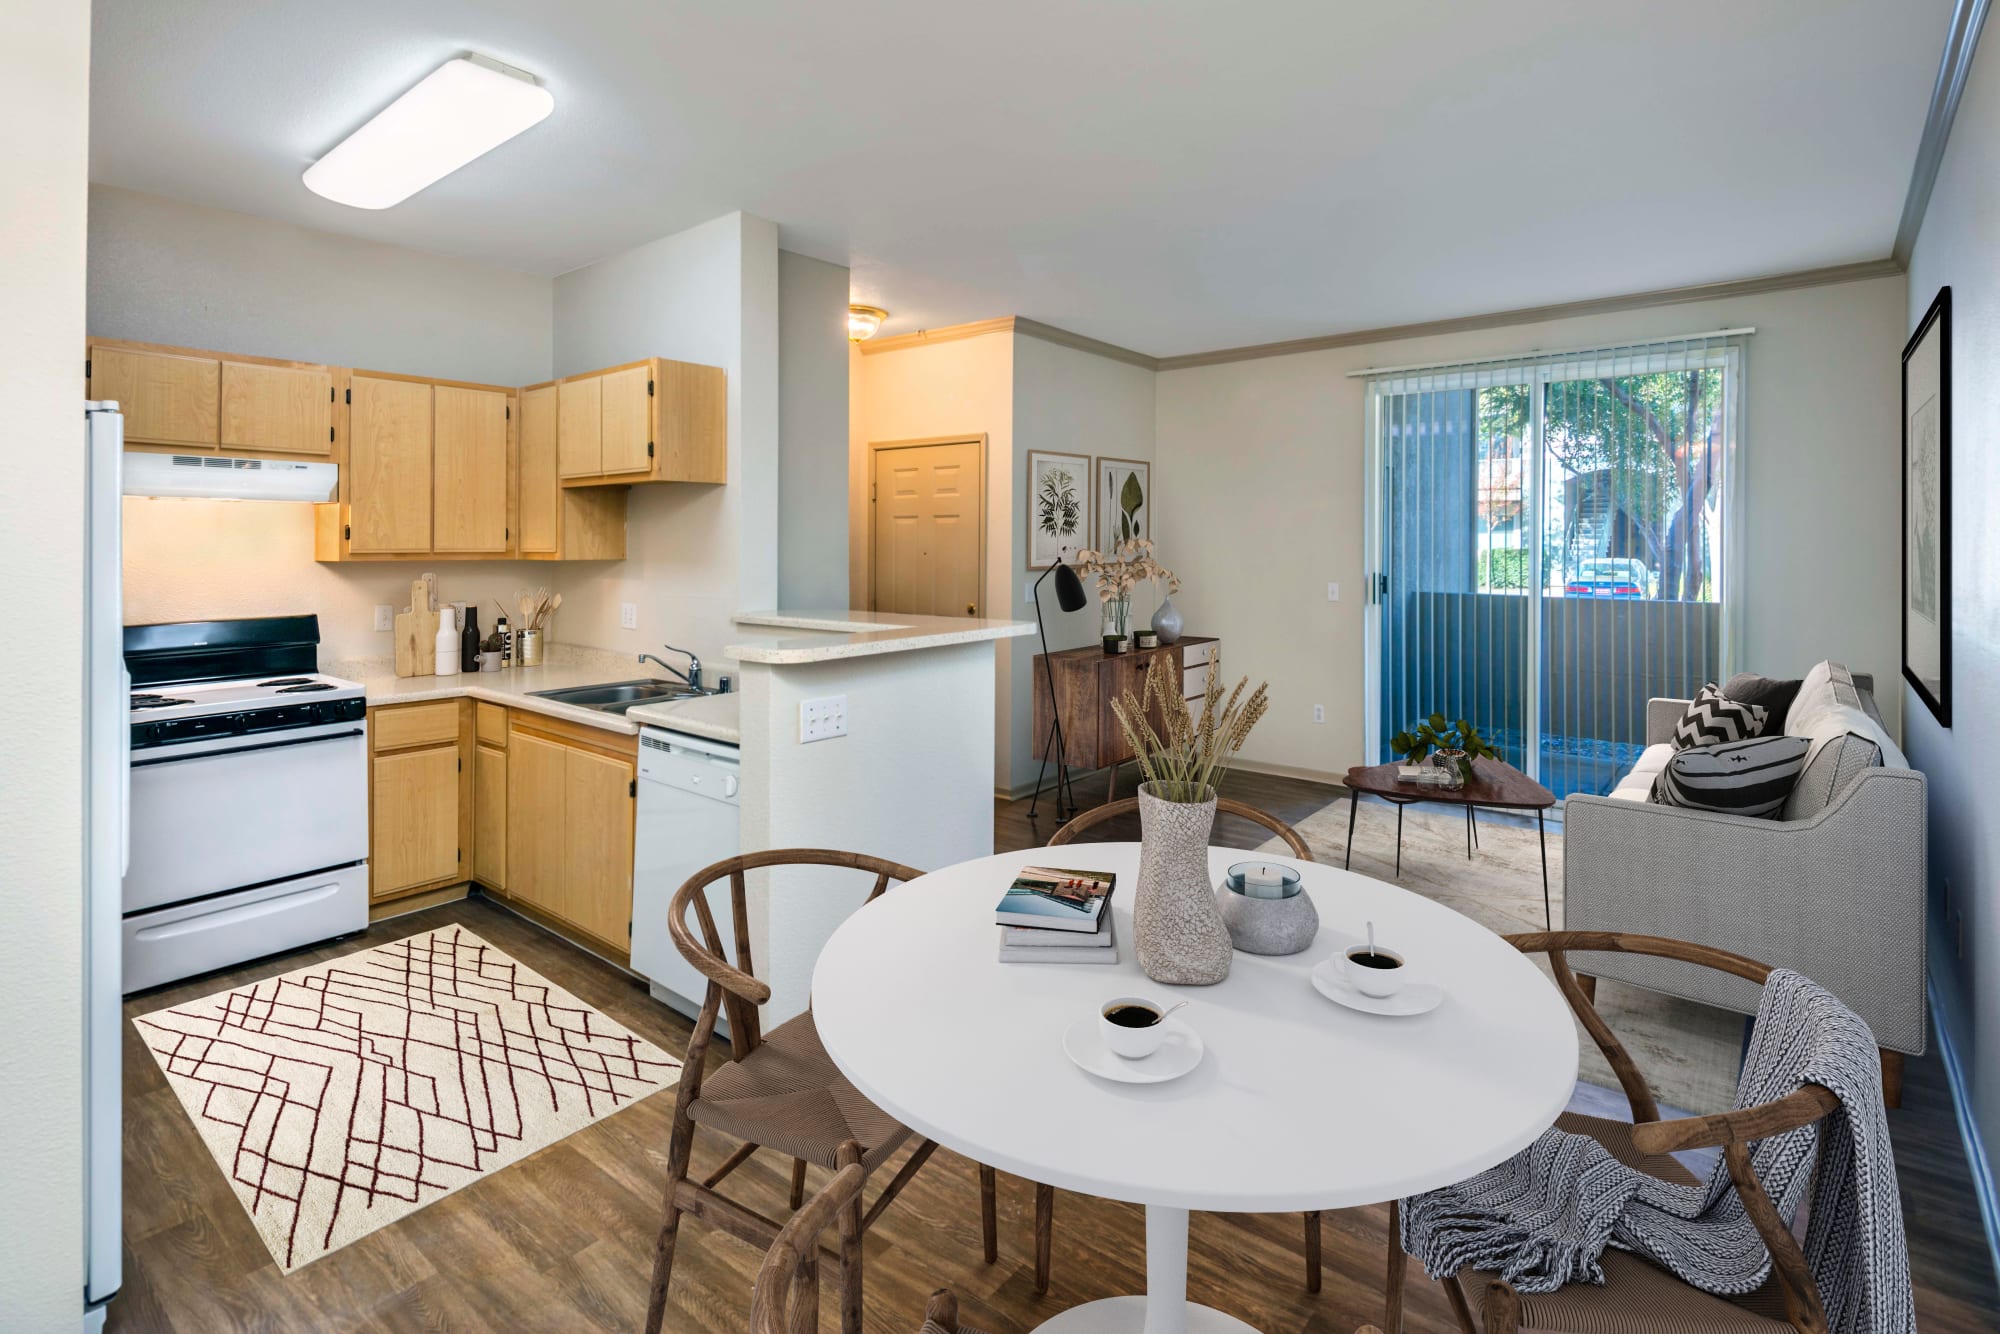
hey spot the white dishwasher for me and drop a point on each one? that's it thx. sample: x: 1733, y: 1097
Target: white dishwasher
x: 686, y: 819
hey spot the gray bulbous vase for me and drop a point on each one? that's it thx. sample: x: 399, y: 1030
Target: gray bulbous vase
x: 1167, y: 621
x: 1182, y: 940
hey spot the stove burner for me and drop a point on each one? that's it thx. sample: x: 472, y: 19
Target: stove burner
x: 284, y: 681
x: 303, y: 688
x: 150, y: 701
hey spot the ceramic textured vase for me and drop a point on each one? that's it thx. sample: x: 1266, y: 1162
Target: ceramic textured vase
x: 1181, y: 937
x: 1167, y: 621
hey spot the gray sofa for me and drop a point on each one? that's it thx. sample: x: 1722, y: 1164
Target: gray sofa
x: 1834, y: 887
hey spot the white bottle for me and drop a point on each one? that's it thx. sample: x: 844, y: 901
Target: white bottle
x: 447, y: 641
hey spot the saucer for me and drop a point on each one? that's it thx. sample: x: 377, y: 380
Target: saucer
x: 1178, y: 1054
x: 1329, y: 979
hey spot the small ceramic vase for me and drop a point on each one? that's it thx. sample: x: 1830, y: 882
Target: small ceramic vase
x: 1167, y: 621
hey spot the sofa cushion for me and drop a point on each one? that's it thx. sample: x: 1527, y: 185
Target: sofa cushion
x: 1713, y: 719
x: 1844, y: 736
x: 1637, y: 783
x: 1775, y: 697
x: 1752, y: 777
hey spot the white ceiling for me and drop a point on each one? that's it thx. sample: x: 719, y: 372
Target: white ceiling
x: 1169, y: 175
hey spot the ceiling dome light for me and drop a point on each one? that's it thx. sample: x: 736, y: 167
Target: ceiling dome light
x: 863, y: 322
x: 464, y: 108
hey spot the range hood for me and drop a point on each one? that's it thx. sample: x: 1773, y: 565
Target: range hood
x: 221, y: 478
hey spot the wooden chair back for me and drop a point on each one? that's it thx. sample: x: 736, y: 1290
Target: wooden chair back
x: 1111, y: 810
x: 1733, y: 1132
x: 732, y: 986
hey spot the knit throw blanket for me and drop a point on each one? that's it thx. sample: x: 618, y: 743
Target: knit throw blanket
x: 1543, y: 1218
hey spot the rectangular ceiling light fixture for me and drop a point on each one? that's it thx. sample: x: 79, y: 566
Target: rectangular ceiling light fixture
x: 463, y: 109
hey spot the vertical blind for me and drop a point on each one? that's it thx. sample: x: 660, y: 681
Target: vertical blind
x: 1551, y: 538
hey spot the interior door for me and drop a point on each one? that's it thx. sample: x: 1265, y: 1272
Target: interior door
x: 541, y: 487
x: 929, y: 507
x: 389, y: 463
x: 627, y: 420
x: 470, y: 473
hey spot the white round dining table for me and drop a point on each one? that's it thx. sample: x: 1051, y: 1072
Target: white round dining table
x: 1298, y: 1103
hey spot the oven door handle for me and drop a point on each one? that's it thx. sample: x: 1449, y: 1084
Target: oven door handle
x: 241, y: 750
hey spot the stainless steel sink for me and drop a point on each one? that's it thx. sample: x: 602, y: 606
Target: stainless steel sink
x: 618, y: 696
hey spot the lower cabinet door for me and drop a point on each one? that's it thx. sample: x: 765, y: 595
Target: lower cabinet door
x: 489, y: 816
x: 415, y: 827
x: 597, y: 857
x: 535, y: 776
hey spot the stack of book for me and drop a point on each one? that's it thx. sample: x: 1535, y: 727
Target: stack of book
x: 1052, y: 915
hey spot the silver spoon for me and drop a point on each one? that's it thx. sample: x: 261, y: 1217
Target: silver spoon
x: 1170, y: 1009
x: 1371, y: 940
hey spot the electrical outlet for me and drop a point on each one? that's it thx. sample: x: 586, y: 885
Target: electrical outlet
x: 820, y: 719
x: 1333, y: 592
x: 385, y: 617
x: 628, y: 615
x: 1319, y: 713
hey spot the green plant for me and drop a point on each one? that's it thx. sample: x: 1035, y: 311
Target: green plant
x: 1436, y: 733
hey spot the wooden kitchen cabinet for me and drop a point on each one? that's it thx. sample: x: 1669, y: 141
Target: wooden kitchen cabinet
x: 417, y: 797
x: 646, y: 421
x: 469, y: 469
x: 168, y: 398
x: 570, y: 802
x: 489, y: 816
x: 277, y: 409
x: 558, y: 522
x: 388, y: 484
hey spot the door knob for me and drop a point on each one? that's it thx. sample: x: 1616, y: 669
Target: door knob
x: 971, y: 610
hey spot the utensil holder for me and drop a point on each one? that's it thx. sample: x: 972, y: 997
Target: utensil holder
x: 528, y: 648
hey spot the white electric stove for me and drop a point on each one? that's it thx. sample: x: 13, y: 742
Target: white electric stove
x: 249, y: 797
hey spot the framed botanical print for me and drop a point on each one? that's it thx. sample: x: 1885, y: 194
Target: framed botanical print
x: 1058, y: 506
x: 1124, y: 502
x: 1927, y: 509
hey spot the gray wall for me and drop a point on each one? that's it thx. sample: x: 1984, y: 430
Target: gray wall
x: 812, y: 432
x: 1957, y: 248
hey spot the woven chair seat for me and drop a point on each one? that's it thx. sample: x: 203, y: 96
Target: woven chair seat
x: 1638, y: 1297
x: 788, y: 1096
x: 933, y: 1327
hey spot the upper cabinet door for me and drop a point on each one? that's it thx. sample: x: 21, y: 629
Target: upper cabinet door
x: 167, y: 399
x: 284, y: 409
x: 693, y: 423
x: 389, y: 466
x: 541, y: 488
x: 470, y: 478
x: 628, y: 420
x: 580, y: 427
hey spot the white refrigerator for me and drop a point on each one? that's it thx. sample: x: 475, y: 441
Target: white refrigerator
x: 107, y: 735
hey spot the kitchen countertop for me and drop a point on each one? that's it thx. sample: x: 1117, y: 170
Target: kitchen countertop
x: 850, y: 633
x: 711, y: 716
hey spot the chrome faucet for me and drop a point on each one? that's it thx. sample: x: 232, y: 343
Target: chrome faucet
x: 691, y: 677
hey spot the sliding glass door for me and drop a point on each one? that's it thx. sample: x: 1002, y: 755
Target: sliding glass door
x: 1550, y: 542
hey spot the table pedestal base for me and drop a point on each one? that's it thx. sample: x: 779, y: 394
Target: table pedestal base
x: 1165, y: 1308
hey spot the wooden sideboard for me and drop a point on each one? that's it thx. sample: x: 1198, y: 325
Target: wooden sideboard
x: 1088, y: 679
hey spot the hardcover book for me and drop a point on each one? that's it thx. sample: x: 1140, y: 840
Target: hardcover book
x: 1054, y: 899
x: 1012, y: 951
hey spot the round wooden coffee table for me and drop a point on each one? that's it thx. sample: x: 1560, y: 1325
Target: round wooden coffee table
x: 1495, y: 784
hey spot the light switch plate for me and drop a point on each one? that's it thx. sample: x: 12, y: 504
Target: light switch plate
x: 628, y: 615
x: 385, y: 617
x: 1333, y: 592
x: 822, y: 719
x: 1319, y: 713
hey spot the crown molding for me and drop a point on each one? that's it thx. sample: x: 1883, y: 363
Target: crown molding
x: 1954, y: 68
x: 1666, y: 296
x: 1048, y: 333
x: 950, y: 333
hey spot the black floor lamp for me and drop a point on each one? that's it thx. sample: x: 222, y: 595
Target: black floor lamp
x: 1069, y: 596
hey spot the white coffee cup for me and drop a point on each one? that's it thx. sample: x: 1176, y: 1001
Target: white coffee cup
x: 1381, y: 983
x: 1123, y: 1039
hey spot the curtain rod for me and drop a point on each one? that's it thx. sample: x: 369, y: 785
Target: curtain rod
x: 1524, y: 357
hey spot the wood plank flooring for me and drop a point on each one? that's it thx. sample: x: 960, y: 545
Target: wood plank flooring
x: 562, y: 1240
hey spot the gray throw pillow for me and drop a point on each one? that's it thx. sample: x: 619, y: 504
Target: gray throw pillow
x: 1738, y: 778
x: 1773, y: 696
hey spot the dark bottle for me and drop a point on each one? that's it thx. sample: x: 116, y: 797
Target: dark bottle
x: 468, y: 641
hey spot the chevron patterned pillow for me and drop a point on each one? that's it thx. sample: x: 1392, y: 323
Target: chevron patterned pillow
x: 1713, y: 719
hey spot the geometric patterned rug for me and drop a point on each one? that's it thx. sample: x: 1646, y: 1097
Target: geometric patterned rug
x: 341, y: 1097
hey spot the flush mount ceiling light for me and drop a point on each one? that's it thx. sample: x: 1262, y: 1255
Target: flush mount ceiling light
x: 863, y: 322
x: 464, y: 108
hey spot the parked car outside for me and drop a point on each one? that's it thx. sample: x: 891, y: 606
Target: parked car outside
x: 1610, y: 577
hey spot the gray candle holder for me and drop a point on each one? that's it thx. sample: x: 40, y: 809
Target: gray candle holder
x: 1266, y: 918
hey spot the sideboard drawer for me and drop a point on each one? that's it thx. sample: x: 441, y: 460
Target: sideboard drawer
x: 1197, y: 655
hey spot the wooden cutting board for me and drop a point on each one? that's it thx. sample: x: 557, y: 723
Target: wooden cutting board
x: 416, y: 630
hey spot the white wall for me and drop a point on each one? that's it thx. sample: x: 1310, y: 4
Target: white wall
x: 812, y: 432
x: 1259, y: 479
x: 44, y: 121
x: 166, y: 272
x: 1957, y: 248
x: 694, y: 554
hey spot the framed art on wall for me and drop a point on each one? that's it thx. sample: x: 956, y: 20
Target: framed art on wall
x: 1927, y: 508
x: 1124, y: 502
x: 1058, y: 506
